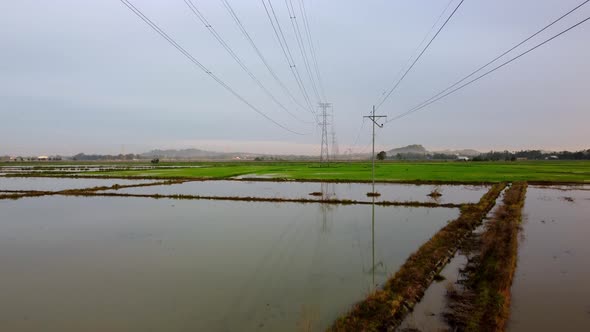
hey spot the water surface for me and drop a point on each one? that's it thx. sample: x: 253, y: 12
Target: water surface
x: 352, y: 191
x: 551, y: 290
x: 135, y: 264
x: 56, y: 184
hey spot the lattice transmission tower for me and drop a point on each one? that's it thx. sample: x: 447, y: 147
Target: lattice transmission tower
x: 324, y: 153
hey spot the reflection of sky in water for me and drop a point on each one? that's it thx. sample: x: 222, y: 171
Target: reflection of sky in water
x: 352, y: 191
x: 551, y: 289
x: 132, y: 264
x: 55, y: 184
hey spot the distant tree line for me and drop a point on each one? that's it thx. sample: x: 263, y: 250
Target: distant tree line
x: 495, y: 156
x: 533, y: 155
x: 87, y: 157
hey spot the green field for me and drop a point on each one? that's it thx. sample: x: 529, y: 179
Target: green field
x: 533, y: 171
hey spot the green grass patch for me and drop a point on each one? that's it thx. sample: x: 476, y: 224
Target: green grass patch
x: 435, y: 172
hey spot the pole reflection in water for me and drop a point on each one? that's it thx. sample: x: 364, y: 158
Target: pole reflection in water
x: 373, y: 241
x: 374, y: 265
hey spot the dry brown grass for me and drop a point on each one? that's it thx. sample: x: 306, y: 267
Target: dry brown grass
x: 484, y: 304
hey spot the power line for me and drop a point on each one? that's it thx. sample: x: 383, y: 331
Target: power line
x: 237, y: 20
x: 419, y: 56
x: 503, y: 54
x: 312, y: 47
x: 301, y: 45
x: 189, y: 56
x: 239, y: 61
x: 401, y: 70
x: 287, y: 52
x: 358, y: 135
x: 324, y: 152
x: 423, y: 105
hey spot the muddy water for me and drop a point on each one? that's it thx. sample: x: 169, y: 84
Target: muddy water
x: 134, y: 264
x: 56, y: 184
x: 428, y: 313
x: 551, y: 290
x: 352, y: 191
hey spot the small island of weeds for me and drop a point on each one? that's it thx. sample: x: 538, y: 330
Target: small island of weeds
x: 483, y: 304
x: 435, y: 193
x: 385, y: 308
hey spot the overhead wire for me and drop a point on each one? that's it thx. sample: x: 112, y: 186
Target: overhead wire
x: 423, y: 105
x: 301, y: 45
x: 415, y: 52
x: 191, y: 58
x: 419, y: 56
x: 272, y: 72
x: 193, y: 8
x: 271, y: 14
x: 307, y: 29
x: 358, y: 135
x: 503, y: 54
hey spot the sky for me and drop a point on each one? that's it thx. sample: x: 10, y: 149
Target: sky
x: 89, y: 76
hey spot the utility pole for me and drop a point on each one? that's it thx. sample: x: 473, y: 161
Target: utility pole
x: 374, y: 118
x: 324, y: 157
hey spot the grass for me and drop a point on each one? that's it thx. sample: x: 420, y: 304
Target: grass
x: 385, y: 308
x: 484, y: 304
x: 414, y: 172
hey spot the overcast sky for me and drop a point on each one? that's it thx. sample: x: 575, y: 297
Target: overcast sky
x: 90, y: 76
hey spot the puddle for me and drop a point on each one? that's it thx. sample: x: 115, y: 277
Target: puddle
x: 132, y: 264
x: 351, y: 191
x: 56, y: 184
x: 551, y: 291
x: 428, y: 313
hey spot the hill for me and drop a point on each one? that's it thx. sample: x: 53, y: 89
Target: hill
x: 410, y: 149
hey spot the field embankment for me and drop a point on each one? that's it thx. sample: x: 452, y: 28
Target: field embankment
x: 385, y: 308
x: 483, y: 302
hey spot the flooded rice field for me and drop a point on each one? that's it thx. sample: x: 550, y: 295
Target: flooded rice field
x: 139, y: 264
x: 295, y: 190
x: 68, y: 168
x: 57, y: 184
x: 143, y: 264
x: 551, y: 289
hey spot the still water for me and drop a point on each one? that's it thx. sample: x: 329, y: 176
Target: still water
x: 351, y: 191
x: 551, y: 289
x: 135, y: 264
x: 56, y: 184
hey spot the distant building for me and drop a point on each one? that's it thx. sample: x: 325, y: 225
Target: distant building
x: 462, y: 158
x: 552, y: 157
x: 42, y: 158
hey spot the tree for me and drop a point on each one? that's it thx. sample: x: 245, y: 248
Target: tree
x: 155, y: 160
x: 382, y: 155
